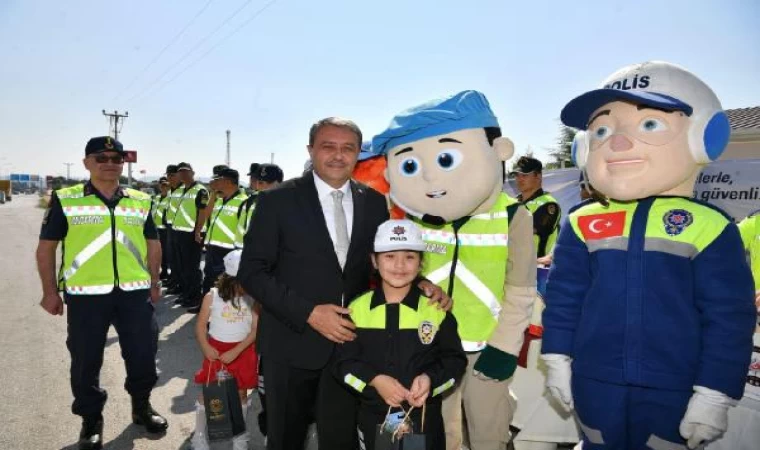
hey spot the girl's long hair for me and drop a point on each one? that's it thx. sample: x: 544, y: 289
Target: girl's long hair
x: 227, y: 286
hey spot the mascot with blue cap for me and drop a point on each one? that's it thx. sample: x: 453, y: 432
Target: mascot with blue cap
x: 649, y: 306
x: 445, y: 169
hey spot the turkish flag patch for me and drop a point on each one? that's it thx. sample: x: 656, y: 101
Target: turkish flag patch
x: 601, y: 226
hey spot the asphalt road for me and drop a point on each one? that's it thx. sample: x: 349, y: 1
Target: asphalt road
x: 35, y: 410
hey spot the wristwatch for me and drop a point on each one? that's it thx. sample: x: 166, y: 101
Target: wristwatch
x: 157, y: 284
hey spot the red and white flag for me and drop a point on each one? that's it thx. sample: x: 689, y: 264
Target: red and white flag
x: 601, y: 226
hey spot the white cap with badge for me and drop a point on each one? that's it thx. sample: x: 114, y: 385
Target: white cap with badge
x: 666, y: 86
x: 232, y: 262
x: 401, y: 234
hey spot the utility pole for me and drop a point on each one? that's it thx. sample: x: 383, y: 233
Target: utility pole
x: 228, y: 148
x: 68, y: 170
x: 113, y: 124
x: 271, y: 160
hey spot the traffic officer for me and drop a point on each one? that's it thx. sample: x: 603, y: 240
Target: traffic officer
x: 750, y: 232
x: 103, y: 225
x: 194, y: 198
x: 220, y: 237
x: 175, y: 193
x: 160, y: 204
x: 544, y: 207
x: 262, y: 178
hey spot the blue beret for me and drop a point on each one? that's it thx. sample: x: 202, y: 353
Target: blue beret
x: 462, y: 111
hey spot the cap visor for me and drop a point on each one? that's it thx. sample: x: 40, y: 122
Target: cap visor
x: 363, y: 156
x: 577, y: 113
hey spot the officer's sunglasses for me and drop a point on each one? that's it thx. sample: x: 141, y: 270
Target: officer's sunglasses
x: 102, y: 159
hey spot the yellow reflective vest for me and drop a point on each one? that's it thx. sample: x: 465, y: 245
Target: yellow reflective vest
x: 223, y: 223
x: 469, y: 263
x: 104, y: 247
x: 750, y: 231
x: 187, y: 211
x: 545, y: 246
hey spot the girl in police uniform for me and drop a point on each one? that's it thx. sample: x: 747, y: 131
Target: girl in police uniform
x: 226, y: 331
x: 407, y: 352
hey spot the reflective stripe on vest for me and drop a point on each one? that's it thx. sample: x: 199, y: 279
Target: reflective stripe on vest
x: 224, y: 221
x: 608, y: 228
x: 175, y: 196
x: 187, y: 212
x: 159, y: 208
x: 533, y: 206
x: 482, y: 247
x: 99, y: 237
x: 244, y: 222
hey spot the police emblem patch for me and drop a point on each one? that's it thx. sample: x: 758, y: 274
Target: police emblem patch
x: 426, y: 332
x: 676, y: 220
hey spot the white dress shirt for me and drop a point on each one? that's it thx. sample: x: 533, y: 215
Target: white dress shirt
x: 324, y: 193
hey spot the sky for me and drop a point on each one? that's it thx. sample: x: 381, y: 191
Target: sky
x: 188, y: 70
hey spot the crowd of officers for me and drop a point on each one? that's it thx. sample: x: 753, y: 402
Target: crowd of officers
x: 191, y: 217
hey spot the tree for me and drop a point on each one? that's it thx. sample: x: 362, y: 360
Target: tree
x: 562, y: 153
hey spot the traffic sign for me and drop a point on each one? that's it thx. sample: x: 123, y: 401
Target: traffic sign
x: 130, y: 156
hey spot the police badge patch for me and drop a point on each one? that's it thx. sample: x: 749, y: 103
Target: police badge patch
x: 676, y: 220
x: 426, y: 332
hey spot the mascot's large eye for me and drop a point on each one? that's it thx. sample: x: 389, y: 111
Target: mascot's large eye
x: 449, y: 159
x: 601, y: 132
x: 409, y: 167
x: 652, y: 125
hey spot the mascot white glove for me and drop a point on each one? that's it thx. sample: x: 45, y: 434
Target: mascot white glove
x: 706, y: 416
x: 558, y: 378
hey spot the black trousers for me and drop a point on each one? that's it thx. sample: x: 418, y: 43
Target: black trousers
x: 163, y: 236
x: 174, y: 257
x: 369, y: 417
x: 189, y: 265
x: 89, y: 317
x: 295, y: 396
x: 214, y: 266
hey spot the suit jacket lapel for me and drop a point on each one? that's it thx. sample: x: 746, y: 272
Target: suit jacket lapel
x: 310, y: 202
x: 358, y: 195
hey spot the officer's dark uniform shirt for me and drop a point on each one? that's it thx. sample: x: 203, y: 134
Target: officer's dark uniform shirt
x: 401, y: 354
x: 55, y: 227
x: 545, y: 217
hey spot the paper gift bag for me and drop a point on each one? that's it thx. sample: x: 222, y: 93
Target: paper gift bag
x: 224, y: 413
x: 397, y: 432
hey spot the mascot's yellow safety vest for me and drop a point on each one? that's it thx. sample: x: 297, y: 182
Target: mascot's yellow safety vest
x: 470, y: 265
x: 104, y: 248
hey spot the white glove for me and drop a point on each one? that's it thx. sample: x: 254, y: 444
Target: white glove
x: 558, y: 378
x: 706, y: 416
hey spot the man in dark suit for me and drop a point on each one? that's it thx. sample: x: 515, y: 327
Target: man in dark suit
x: 305, y: 257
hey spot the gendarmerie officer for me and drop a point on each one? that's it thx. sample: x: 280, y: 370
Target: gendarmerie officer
x: 193, y: 200
x: 104, y: 226
x: 222, y: 223
x: 160, y: 205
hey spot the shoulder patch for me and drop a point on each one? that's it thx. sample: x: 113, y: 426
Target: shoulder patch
x: 712, y: 207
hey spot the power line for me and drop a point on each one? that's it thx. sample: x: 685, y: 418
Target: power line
x: 240, y: 27
x: 190, y: 52
x: 171, y: 42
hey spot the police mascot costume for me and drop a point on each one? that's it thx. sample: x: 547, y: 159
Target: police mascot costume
x: 445, y: 169
x: 649, y: 307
